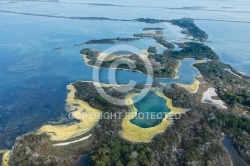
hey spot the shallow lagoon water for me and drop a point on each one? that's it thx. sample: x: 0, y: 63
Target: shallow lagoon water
x: 151, y: 110
x: 154, y: 104
x: 186, y: 73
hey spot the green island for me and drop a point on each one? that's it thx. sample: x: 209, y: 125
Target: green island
x: 194, y: 139
x: 164, y: 65
x: 153, y: 29
x: 149, y: 34
x: 108, y: 41
x: 190, y: 28
x: 187, y: 23
x: 161, y: 40
x: 111, y: 41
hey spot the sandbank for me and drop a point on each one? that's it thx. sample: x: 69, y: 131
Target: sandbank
x: 88, y: 117
x: 5, y: 158
x: 191, y: 88
x: 207, y: 98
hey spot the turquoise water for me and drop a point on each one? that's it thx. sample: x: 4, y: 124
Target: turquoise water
x: 154, y: 104
x: 151, y: 110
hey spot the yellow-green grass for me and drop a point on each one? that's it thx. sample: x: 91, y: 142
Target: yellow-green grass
x: 134, y: 133
x: 88, y: 117
x: 177, y: 70
x: 194, y: 87
x: 191, y: 88
x: 161, y: 46
x: 5, y: 158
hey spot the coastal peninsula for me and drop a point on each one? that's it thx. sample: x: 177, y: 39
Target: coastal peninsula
x: 195, y: 138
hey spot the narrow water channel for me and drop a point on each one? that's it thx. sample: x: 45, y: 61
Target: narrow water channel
x: 234, y: 154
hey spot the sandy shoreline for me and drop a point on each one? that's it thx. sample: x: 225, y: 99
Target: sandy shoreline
x: 176, y: 71
x: 88, y: 117
x: 134, y: 133
x: 5, y: 158
x: 191, y: 88
x: 194, y: 87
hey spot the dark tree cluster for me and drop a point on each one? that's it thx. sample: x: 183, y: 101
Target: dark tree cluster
x: 121, y: 153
